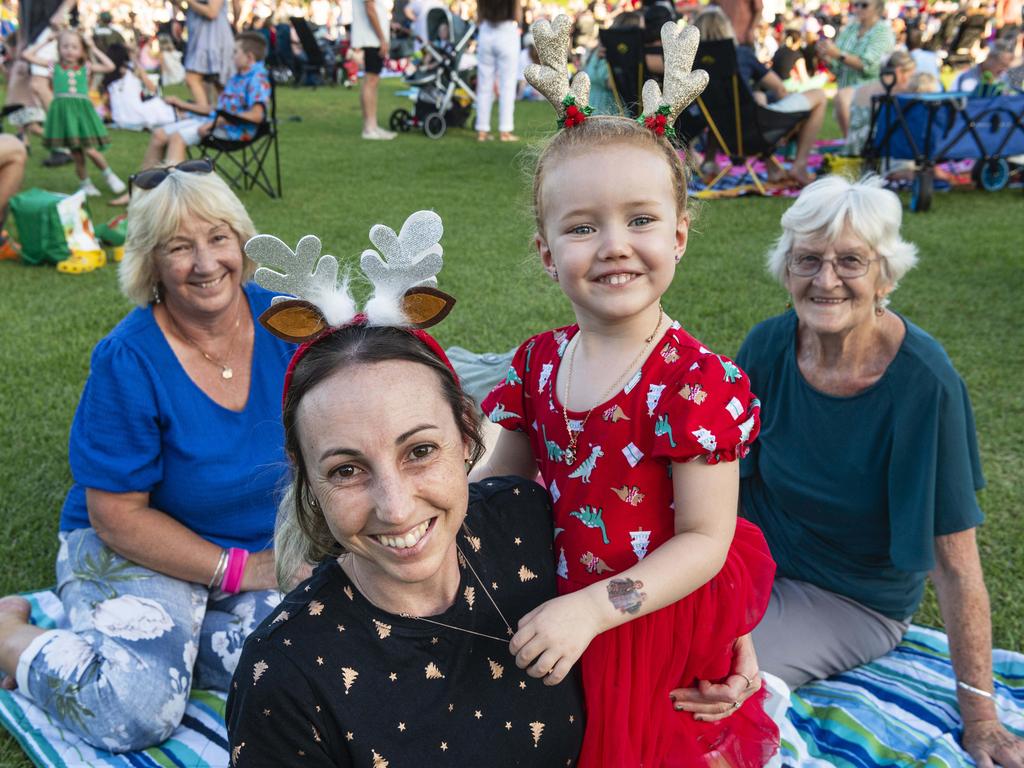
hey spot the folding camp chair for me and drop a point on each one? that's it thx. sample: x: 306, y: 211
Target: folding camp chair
x: 310, y: 71
x: 743, y: 128
x: 243, y: 163
x: 970, y: 33
x: 624, y: 52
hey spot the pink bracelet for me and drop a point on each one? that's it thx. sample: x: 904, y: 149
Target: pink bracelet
x: 232, y: 582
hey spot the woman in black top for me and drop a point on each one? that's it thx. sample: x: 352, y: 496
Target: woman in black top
x: 395, y: 652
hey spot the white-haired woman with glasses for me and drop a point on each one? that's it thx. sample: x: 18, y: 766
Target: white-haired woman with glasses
x: 856, y: 55
x: 864, y: 476
x: 165, y: 561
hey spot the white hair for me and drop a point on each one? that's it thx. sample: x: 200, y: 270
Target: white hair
x: 831, y: 205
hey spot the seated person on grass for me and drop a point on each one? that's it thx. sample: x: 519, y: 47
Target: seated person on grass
x: 245, y: 96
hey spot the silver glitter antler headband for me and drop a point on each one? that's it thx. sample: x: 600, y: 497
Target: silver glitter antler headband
x: 682, y: 83
x: 551, y: 76
x: 403, y: 275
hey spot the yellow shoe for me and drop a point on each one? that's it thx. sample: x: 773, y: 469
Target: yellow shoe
x: 80, y: 262
x: 117, y: 253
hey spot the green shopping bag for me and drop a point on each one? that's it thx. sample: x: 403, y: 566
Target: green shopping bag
x: 40, y: 231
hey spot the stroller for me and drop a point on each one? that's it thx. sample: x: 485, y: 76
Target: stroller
x: 444, y: 94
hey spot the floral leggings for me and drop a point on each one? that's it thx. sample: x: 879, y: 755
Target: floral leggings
x: 138, y: 641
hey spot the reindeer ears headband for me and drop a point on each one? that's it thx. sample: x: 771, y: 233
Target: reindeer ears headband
x: 660, y: 109
x: 403, y: 275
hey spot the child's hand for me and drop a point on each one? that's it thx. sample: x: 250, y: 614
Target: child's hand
x: 554, y: 635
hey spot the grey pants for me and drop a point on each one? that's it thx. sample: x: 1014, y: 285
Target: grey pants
x: 809, y: 633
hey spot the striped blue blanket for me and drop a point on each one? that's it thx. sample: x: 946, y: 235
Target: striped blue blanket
x: 897, y: 711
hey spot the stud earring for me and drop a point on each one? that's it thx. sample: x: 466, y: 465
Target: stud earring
x: 679, y: 257
x: 554, y: 275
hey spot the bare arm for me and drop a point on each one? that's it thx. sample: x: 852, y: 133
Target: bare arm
x: 209, y: 9
x: 553, y: 636
x: 772, y: 83
x: 128, y: 525
x: 99, y: 62
x: 963, y: 600
x: 30, y: 53
x: 512, y: 455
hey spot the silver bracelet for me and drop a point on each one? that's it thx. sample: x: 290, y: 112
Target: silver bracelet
x: 976, y: 691
x: 218, y: 572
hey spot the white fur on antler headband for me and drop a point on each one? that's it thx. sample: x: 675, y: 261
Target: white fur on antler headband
x: 403, y: 262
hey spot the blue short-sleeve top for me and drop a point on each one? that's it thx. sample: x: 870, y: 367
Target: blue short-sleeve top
x: 852, y: 491
x: 143, y: 425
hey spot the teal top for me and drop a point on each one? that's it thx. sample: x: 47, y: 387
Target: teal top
x: 851, y: 491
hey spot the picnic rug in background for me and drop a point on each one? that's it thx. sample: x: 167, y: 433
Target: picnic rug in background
x: 897, y: 711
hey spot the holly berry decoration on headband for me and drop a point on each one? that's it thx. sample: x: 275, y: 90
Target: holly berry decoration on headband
x: 574, y: 115
x: 659, y: 122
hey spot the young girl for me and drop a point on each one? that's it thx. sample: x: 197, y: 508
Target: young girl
x: 71, y: 120
x: 636, y: 428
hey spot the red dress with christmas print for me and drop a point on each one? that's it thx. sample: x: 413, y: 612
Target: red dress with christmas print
x: 613, y: 505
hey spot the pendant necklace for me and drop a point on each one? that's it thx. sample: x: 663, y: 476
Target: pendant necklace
x: 569, y: 455
x: 226, y: 371
x: 508, y: 627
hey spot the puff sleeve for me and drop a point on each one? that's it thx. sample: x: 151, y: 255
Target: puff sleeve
x: 506, y: 405
x: 115, y: 442
x: 707, y: 411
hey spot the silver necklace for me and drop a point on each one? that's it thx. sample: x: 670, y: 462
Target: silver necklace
x: 508, y: 627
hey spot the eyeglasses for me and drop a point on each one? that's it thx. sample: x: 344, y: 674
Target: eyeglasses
x: 154, y: 177
x: 847, y: 267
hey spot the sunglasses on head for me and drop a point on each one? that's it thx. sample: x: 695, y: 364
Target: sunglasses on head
x: 154, y: 177
x: 860, y: 6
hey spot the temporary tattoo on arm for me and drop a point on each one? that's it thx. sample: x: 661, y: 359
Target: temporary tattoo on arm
x: 625, y: 594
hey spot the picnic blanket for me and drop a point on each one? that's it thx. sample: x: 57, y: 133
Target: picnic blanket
x: 897, y: 711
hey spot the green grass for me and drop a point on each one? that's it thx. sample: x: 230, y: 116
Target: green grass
x: 966, y: 292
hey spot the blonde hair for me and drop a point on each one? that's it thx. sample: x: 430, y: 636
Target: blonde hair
x: 713, y: 24
x: 832, y: 204
x: 155, y: 215
x: 901, y: 60
x: 924, y: 82
x: 599, y: 132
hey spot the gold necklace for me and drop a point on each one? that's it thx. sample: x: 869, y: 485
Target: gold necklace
x: 508, y: 627
x: 569, y: 455
x: 226, y: 371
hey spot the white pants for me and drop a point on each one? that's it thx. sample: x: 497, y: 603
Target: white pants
x: 497, y: 53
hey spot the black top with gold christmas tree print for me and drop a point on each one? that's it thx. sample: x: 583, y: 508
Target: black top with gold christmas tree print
x: 329, y: 679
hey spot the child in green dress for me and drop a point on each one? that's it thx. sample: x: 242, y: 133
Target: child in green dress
x: 71, y: 120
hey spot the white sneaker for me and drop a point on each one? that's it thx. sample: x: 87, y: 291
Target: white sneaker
x: 89, y: 188
x: 379, y: 134
x: 116, y: 185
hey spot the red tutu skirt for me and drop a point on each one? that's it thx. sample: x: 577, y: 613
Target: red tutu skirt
x: 629, y: 671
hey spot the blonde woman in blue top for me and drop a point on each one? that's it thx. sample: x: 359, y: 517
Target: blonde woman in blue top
x: 856, y: 55
x: 864, y: 476
x: 165, y: 561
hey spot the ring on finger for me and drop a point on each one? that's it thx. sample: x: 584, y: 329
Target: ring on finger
x: 735, y: 705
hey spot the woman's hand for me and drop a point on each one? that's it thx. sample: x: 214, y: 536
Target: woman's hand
x: 827, y: 49
x: 716, y: 701
x: 989, y: 743
x: 553, y: 636
x: 259, y: 572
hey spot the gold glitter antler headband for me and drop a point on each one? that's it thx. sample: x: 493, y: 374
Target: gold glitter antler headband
x: 682, y: 83
x: 551, y: 76
x: 403, y: 275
